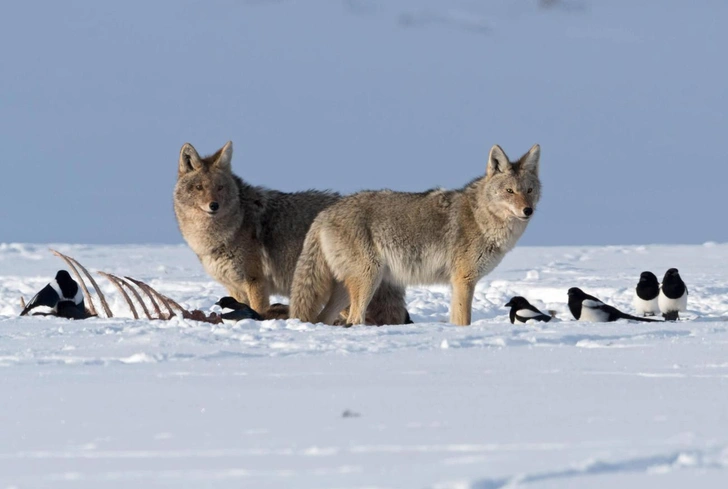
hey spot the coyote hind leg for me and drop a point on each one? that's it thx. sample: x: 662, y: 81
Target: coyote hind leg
x: 361, y: 290
x: 337, y: 302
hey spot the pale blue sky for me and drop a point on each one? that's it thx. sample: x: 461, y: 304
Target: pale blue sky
x: 627, y: 99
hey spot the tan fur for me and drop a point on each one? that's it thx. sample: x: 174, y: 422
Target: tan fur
x: 375, y: 240
x: 276, y: 311
x: 252, y: 242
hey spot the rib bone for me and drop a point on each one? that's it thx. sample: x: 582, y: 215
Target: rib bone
x: 117, y: 283
x: 124, y: 283
x: 146, y: 290
x: 151, y: 292
x: 136, y: 295
x: 72, y: 263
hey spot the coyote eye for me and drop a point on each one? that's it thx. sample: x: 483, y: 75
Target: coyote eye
x: 219, y: 187
x: 509, y: 190
x: 530, y: 190
x: 198, y: 187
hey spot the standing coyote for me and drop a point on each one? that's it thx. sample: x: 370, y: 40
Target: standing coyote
x: 249, y: 238
x: 386, y: 237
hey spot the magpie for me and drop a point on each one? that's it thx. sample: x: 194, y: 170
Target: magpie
x: 586, y: 307
x: 645, y: 295
x: 522, y: 311
x: 62, y: 295
x: 71, y: 310
x: 237, y: 311
x: 673, y: 295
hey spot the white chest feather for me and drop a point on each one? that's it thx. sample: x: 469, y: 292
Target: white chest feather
x: 643, y: 307
x: 672, y: 305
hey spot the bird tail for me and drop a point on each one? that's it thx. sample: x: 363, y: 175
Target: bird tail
x: 637, y: 318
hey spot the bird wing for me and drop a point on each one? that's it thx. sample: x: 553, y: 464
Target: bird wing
x: 528, y: 314
x: 592, y: 303
x: 536, y: 317
x: 46, y: 297
x: 614, y: 313
x: 595, y: 311
x: 240, y: 314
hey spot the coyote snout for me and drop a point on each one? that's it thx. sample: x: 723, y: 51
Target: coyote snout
x: 525, y: 214
x: 209, y: 204
x: 211, y: 208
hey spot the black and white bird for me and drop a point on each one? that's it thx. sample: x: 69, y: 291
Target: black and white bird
x: 62, y: 295
x: 586, y: 307
x: 645, y: 295
x: 234, y: 311
x: 522, y: 311
x: 673, y: 295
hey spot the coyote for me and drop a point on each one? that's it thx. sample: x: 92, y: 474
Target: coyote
x: 249, y: 238
x: 385, y: 237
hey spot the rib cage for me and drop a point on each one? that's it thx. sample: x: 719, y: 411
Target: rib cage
x: 163, y: 308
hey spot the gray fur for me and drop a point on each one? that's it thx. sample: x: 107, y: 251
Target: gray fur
x: 252, y: 243
x: 399, y: 239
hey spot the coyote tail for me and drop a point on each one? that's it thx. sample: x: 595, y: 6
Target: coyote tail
x: 312, y: 280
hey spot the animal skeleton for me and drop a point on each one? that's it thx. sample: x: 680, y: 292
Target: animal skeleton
x: 162, y: 306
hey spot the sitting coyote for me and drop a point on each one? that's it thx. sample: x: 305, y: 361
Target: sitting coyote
x: 249, y: 238
x: 370, y: 239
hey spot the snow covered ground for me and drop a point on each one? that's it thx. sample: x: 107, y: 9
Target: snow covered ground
x: 112, y: 403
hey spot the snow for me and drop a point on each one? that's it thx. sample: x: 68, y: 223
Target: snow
x: 350, y: 95
x: 108, y: 403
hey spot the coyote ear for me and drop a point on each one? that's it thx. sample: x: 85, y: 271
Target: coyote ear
x: 497, y: 161
x: 189, y: 159
x: 223, y: 158
x: 529, y: 161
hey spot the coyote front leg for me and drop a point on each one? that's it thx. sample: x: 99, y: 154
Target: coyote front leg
x: 257, y: 292
x: 463, y: 287
x: 248, y: 284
